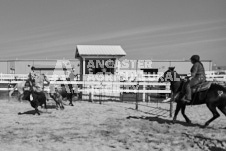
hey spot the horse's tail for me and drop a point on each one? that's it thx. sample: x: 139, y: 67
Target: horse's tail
x: 221, y: 90
x: 222, y: 93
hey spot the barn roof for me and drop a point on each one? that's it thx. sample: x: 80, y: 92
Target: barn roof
x: 99, y: 50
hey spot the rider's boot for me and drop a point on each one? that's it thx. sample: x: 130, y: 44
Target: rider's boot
x: 187, y: 96
x: 186, y: 100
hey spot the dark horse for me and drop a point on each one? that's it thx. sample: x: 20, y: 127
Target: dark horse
x: 214, y: 97
x: 35, y: 98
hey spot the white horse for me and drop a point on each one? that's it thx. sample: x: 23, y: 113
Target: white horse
x: 20, y: 88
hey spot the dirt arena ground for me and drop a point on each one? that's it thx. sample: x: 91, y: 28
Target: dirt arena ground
x: 110, y: 126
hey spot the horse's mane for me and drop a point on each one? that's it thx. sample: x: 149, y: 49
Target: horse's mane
x: 176, y: 81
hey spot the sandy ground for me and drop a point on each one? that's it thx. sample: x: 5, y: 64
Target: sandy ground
x: 110, y: 126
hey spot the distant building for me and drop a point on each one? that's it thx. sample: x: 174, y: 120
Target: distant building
x: 94, y: 59
x: 23, y: 66
x: 182, y: 67
x: 219, y: 67
x: 98, y: 59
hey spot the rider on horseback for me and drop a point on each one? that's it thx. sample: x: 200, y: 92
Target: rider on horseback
x: 197, y: 77
x: 38, y: 80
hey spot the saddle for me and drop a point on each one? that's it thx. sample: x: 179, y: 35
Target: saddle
x: 201, y: 87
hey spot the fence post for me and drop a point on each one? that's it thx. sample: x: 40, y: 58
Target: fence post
x: 171, y: 104
x: 90, y: 93
x: 9, y: 86
x: 144, y: 94
x: 121, y: 93
x: 137, y: 87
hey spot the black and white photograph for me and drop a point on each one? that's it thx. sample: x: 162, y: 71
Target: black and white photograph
x: 113, y: 75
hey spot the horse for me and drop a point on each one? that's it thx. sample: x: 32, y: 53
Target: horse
x: 213, y: 95
x: 55, y: 94
x: 61, y: 92
x: 20, y: 88
x: 35, y: 98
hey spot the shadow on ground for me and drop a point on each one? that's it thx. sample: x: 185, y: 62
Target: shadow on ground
x: 164, y: 121
x: 216, y: 149
x: 33, y: 112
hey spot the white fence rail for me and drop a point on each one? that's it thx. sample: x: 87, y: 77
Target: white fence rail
x: 103, y: 84
x: 211, y: 76
x: 108, y: 87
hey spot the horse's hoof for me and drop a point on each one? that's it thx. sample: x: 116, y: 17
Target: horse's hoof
x: 38, y: 113
x: 189, y: 122
x: 173, y: 121
x: 204, y: 126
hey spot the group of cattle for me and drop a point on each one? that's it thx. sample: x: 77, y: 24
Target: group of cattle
x: 58, y: 93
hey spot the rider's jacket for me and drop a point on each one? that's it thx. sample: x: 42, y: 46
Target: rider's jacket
x: 198, y: 70
x: 38, y: 81
x: 198, y: 74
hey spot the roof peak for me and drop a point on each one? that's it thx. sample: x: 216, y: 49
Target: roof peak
x: 99, y: 50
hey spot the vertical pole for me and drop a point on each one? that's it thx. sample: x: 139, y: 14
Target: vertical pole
x: 171, y: 104
x: 91, y: 93
x: 121, y: 96
x: 144, y: 94
x: 101, y: 91
x: 137, y: 87
x: 84, y: 66
x: 83, y: 76
x: 137, y: 95
x: 122, y: 91
x: 90, y: 99
x: 9, y: 90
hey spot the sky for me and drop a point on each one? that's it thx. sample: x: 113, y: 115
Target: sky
x: 146, y: 29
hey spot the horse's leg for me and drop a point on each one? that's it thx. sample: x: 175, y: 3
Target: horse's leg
x: 10, y: 94
x: 55, y: 99
x: 20, y: 96
x: 61, y: 104
x: 57, y: 104
x: 213, y: 109
x: 70, y: 98
x: 178, y: 107
x: 45, y: 105
x: 184, y: 115
x: 62, y: 100
x: 222, y: 109
x: 36, y: 110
